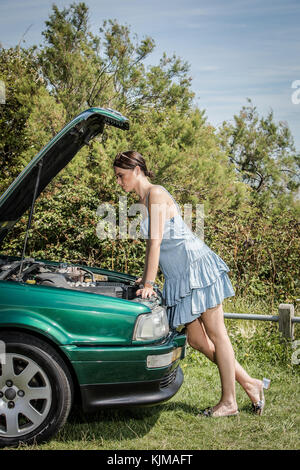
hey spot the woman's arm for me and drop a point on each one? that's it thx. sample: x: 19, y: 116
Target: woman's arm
x: 151, y: 261
x: 157, y: 216
x: 146, y: 261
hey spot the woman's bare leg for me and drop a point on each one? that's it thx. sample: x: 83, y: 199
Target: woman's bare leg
x: 199, y: 340
x: 213, y: 321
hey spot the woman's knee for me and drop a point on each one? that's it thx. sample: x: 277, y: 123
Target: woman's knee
x: 202, y: 346
x: 195, y: 344
x: 213, y: 320
x: 219, y: 336
x: 198, y: 339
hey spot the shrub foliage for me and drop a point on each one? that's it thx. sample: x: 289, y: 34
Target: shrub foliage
x: 245, y: 174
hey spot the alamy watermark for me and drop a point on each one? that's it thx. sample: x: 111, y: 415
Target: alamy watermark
x: 133, y: 221
x: 2, y: 352
x: 2, y: 92
x: 296, y: 354
x: 296, y: 93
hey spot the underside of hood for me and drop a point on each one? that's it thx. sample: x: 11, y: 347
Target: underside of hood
x: 51, y: 160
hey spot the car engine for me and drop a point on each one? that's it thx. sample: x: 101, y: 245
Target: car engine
x: 66, y: 276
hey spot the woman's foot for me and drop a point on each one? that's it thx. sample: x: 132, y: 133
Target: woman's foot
x: 221, y: 409
x: 254, y: 390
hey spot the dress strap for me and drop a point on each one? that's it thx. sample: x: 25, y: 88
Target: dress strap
x: 177, y: 205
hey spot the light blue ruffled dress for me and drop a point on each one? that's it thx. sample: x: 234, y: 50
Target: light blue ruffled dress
x: 195, y: 276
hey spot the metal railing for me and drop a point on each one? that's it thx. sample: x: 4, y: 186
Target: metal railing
x: 285, y: 318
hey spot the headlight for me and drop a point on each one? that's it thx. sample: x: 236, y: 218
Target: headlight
x: 152, y: 325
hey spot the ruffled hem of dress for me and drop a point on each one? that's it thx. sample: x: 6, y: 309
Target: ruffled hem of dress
x: 199, y: 300
x: 202, y: 273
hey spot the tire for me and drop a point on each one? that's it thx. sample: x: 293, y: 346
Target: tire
x: 36, y: 390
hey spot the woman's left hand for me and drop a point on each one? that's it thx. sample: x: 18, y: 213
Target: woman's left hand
x: 146, y: 292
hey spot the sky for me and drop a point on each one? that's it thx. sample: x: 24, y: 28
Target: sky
x: 236, y: 49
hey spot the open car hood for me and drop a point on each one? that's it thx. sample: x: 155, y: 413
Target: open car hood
x: 53, y: 157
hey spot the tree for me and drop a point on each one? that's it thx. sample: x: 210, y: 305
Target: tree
x: 69, y: 59
x: 238, y: 174
x: 20, y: 74
x: 84, y: 70
x: 263, y: 153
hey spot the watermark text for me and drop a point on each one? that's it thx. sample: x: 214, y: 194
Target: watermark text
x: 296, y: 93
x: 296, y: 354
x: 134, y: 222
x: 2, y: 352
x: 2, y: 92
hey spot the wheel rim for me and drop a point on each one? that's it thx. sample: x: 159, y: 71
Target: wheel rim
x: 25, y: 395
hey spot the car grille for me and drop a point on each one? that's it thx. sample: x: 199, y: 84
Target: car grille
x: 168, y: 379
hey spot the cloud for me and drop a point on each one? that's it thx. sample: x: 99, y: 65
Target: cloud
x: 207, y: 68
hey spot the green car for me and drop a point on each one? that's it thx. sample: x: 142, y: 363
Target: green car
x: 71, y: 333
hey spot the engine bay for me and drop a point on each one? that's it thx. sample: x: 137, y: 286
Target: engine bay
x: 63, y: 275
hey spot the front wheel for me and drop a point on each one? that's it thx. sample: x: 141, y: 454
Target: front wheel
x: 35, y: 390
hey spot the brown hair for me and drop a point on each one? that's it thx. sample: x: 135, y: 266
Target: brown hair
x: 131, y: 159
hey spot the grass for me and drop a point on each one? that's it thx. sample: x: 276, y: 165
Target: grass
x: 174, y: 425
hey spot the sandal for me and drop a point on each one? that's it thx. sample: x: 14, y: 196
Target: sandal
x: 258, y: 406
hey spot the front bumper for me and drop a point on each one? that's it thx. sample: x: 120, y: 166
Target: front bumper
x: 124, y: 376
x: 131, y: 394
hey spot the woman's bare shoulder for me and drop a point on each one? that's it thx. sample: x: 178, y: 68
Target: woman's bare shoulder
x: 157, y: 191
x: 159, y: 195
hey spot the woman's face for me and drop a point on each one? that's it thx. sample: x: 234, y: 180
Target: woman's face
x: 126, y: 178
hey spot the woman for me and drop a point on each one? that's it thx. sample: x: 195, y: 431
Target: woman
x: 196, y: 282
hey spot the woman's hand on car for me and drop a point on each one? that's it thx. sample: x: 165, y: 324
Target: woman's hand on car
x: 145, y: 291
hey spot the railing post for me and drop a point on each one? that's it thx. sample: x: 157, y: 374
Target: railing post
x: 286, y: 326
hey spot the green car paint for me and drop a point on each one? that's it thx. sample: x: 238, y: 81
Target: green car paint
x: 67, y: 316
